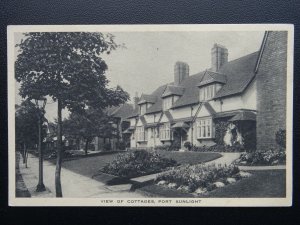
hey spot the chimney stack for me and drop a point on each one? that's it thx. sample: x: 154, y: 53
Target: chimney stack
x: 219, y: 56
x: 136, y: 100
x: 181, y: 71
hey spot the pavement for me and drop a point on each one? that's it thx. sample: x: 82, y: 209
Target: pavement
x: 226, y: 159
x: 73, y: 185
x: 78, y: 186
x: 277, y: 167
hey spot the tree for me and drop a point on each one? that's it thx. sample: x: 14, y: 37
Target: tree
x: 88, y: 125
x: 67, y: 66
x: 26, y: 127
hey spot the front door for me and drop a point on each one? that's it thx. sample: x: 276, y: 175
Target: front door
x: 180, y: 136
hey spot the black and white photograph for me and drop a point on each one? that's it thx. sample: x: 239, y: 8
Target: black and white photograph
x: 150, y: 115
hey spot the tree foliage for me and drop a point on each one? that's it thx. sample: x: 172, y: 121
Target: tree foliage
x: 89, y: 124
x: 26, y: 123
x: 26, y: 127
x: 67, y: 66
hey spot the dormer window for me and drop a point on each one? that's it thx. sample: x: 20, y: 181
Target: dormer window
x: 210, y: 85
x: 171, y: 95
x: 146, y: 101
x: 207, y: 92
x: 143, y: 109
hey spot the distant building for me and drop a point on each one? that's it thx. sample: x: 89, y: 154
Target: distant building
x: 119, y: 121
x: 242, y: 94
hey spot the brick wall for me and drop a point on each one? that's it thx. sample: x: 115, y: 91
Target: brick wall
x: 271, y: 90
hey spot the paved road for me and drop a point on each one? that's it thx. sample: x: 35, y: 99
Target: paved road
x: 74, y: 185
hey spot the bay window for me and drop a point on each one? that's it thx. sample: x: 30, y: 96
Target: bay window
x: 165, y: 132
x: 140, y: 133
x: 204, y: 128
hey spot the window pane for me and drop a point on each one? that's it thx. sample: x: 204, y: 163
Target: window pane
x: 208, y: 130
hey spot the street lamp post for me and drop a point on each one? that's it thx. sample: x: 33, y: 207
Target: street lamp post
x: 40, y: 104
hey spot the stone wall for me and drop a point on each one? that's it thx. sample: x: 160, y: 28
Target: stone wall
x: 271, y: 90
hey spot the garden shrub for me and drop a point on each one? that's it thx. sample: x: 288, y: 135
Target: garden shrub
x: 162, y: 147
x: 107, y: 147
x: 187, y: 145
x: 219, y: 148
x: 176, y: 145
x: 121, y: 145
x: 267, y: 158
x: 220, y: 130
x: 138, y: 163
x: 198, y: 176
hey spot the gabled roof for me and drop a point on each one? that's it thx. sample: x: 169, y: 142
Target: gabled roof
x: 122, y: 111
x: 236, y: 76
x: 212, y: 77
x: 134, y: 113
x: 239, y: 74
x: 231, y: 113
x: 157, y: 106
x: 244, y: 116
x: 191, y: 92
x: 173, y: 90
x: 147, y: 98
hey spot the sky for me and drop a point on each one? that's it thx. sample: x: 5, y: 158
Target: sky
x: 148, y: 59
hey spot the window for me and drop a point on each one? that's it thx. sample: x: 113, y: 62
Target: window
x: 140, y: 133
x: 167, y: 103
x: 165, y: 132
x: 207, y: 92
x: 143, y: 109
x: 204, y: 128
x: 152, y: 132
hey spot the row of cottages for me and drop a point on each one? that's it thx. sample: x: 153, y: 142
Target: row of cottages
x: 192, y: 106
x: 121, y: 123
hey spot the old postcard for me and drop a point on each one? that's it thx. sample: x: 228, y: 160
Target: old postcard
x: 150, y: 115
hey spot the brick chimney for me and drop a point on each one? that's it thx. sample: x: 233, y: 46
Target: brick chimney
x: 136, y: 100
x: 219, y: 56
x: 181, y: 71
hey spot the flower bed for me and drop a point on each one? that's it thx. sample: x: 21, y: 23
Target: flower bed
x: 200, y: 178
x: 268, y: 158
x: 138, y: 163
x: 219, y: 148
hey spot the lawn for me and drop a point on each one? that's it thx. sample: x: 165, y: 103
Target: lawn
x: 263, y: 184
x: 190, y: 157
x: 89, y: 166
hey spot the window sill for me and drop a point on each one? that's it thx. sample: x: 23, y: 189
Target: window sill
x: 204, y: 138
x: 141, y: 141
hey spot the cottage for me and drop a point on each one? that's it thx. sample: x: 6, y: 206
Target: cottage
x: 217, y: 105
x: 120, y: 122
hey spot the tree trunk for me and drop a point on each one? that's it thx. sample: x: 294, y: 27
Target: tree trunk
x: 24, y: 153
x: 26, y: 157
x: 59, y: 150
x: 86, y: 146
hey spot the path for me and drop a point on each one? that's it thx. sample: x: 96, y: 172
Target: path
x: 73, y: 184
x: 227, y: 158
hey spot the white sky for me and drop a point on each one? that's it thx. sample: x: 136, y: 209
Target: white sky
x: 149, y: 57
